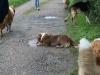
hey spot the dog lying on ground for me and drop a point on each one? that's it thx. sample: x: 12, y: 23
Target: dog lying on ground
x: 83, y: 7
x: 87, y: 59
x: 66, y: 3
x: 8, y: 20
x: 44, y: 39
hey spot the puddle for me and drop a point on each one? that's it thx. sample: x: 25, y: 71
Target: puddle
x: 50, y: 17
x: 32, y: 43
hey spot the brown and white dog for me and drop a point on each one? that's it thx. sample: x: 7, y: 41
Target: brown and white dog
x: 11, y: 14
x: 8, y: 20
x: 54, y: 40
x: 87, y: 59
x: 83, y: 7
x: 66, y: 3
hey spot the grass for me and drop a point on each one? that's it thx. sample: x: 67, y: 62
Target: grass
x: 74, y: 71
x: 32, y: 8
x: 81, y: 30
x: 17, y: 3
x: 29, y: 11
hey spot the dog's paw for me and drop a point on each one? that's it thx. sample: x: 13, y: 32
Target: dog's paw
x: 39, y: 44
x: 57, y: 46
x: 65, y: 20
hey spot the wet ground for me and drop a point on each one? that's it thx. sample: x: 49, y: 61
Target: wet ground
x: 19, y: 54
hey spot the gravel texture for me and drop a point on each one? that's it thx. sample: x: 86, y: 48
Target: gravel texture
x: 17, y: 57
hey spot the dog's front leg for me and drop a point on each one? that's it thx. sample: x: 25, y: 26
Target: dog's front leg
x: 39, y: 44
x: 1, y: 33
x: 67, y: 17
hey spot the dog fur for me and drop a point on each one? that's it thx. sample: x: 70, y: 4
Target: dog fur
x: 2, y: 25
x: 8, y: 20
x: 83, y: 7
x: 86, y: 59
x: 96, y: 47
x: 11, y: 14
x: 46, y: 39
x: 66, y: 3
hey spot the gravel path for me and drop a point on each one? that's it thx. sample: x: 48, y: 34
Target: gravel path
x: 17, y: 57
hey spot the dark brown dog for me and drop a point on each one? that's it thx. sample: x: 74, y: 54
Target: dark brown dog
x: 83, y: 7
x: 54, y: 40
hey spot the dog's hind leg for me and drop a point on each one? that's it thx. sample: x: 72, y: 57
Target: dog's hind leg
x: 86, y: 15
x: 87, y: 20
x: 9, y: 27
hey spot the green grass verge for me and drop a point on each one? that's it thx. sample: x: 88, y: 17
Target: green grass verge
x: 74, y: 71
x: 32, y: 8
x: 17, y: 3
x: 81, y: 30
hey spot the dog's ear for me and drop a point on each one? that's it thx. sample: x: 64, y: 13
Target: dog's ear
x: 47, y: 37
x: 38, y: 37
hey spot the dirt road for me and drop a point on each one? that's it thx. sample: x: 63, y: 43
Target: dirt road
x: 18, y: 57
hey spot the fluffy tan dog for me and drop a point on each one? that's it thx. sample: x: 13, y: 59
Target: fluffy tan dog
x: 86, y: 59
x: 96, y: 47
x: 54, y: 40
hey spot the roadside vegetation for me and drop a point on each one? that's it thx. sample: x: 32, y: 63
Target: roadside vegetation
x: 81, y: 30
x: 17, y: 3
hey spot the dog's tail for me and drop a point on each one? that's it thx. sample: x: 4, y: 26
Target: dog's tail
x: 86, y: 58
x: 73, y: 43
